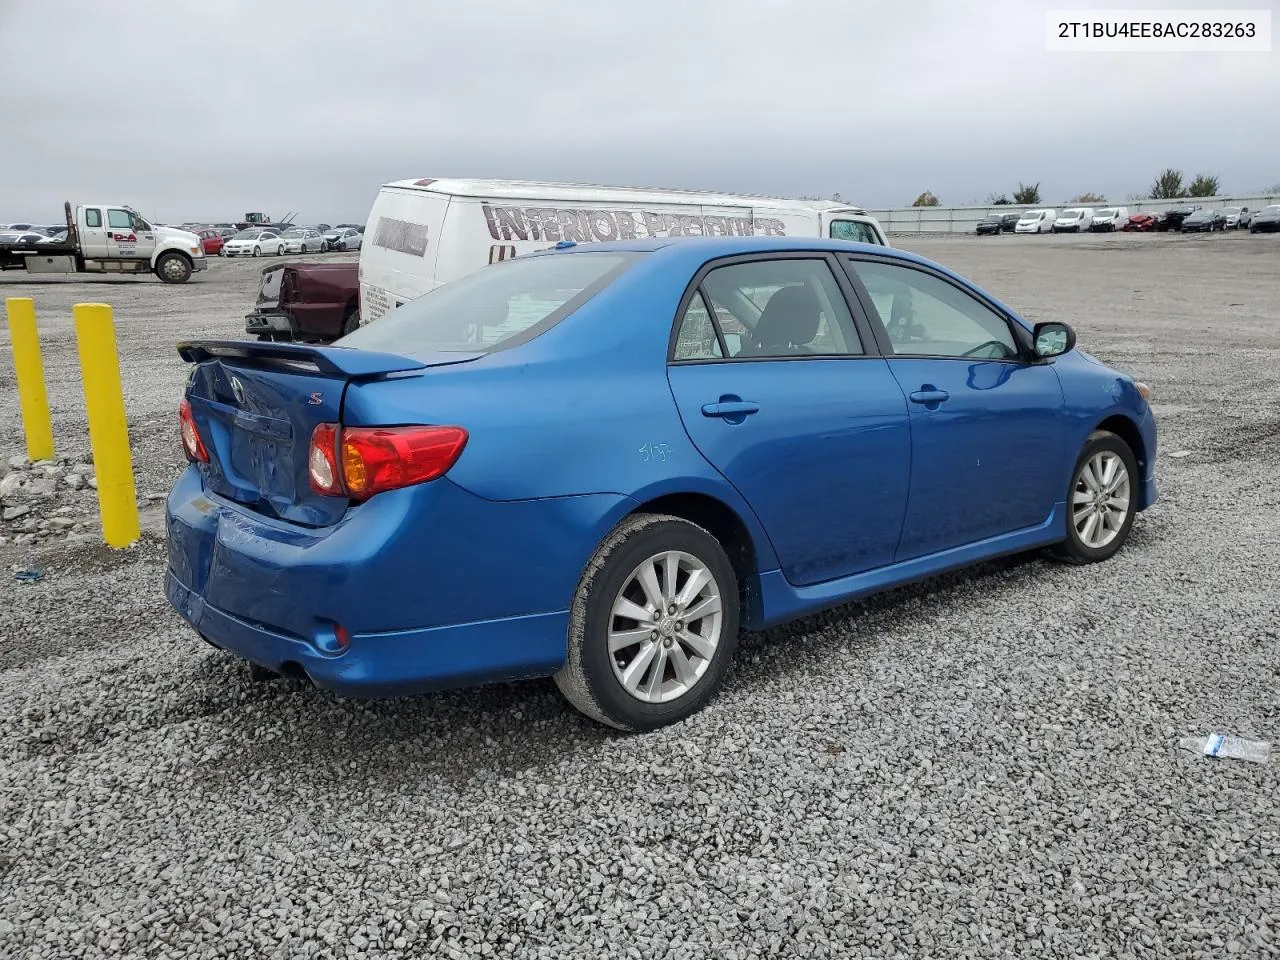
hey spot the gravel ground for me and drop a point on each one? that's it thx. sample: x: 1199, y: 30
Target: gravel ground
x: 985, y: 765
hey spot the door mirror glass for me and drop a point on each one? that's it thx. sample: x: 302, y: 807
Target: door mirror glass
x: 1053, y: 339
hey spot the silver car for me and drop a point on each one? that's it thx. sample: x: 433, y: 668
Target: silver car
x: 344, y: 238
x: 304, y: 240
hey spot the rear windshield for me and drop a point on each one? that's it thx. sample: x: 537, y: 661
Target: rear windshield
x: 496, y: 307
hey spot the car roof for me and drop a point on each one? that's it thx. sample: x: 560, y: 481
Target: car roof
x: 695, y: 251
x: 600, y: 193
x: 714, y: 247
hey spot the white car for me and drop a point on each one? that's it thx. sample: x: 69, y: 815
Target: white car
x: 254, y: 242
x: 1236, y: 217
x: 1036, y: 221
x: 1074, y: 220
x: 344, y: 238
x: 1109, y: 219
x: 304, y: 240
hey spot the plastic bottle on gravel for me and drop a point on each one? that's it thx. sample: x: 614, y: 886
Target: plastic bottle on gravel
x: 1228, y: 748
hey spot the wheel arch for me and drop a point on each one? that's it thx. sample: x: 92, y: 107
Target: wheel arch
x: 729, y: 528
x: 161, y: 254
x: 1127, y: 430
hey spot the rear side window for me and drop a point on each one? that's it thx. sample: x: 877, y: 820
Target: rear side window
x: 781, y: 308
x: 496, y: 307
x: 93, y: 218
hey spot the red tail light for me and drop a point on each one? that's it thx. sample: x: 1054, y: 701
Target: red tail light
x: 358, y: 462
x: 192, y: 445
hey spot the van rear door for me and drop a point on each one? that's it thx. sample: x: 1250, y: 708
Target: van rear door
x: 402, y: 243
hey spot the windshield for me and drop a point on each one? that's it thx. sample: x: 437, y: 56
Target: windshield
x: 247, y: 235
x: 295, y: 232
x: 1106, y: 212
x: 1033, y: 215
x: 1071, y: 214
x: 1272, y: 208
x: 495, y: 307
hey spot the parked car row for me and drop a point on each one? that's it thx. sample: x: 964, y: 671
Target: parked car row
x: 1189, y: 218
x: 275, y: 242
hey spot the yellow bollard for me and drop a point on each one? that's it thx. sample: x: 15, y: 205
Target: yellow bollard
x: 31, y: 393
x: 108, y: 428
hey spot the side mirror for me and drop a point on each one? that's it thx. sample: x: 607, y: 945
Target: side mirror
x: 1053, y: 339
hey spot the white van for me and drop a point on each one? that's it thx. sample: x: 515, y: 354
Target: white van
x: 423, y: 233
x: 1109, y: 219
x: 1036, y: 221
x: 1074, y: 220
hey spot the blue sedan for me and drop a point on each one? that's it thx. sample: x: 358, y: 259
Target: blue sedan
x: 600, y: 462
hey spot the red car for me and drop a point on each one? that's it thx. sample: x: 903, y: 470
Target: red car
x: 306, y: 302
x: 1140, y: 223
x: 211, y: 239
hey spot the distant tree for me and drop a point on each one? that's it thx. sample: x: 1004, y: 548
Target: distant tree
x: 1089, y: 198
x: 997, y: 200
x: 1027, y: 193
x: 1204, y: 185
x: 1137, y: 195
x: 1271, y: 190
x: 1168, y: 185
x: 926, y: 199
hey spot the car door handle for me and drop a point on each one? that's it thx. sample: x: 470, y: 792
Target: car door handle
x: 730, y: 408
x: 929, y: 396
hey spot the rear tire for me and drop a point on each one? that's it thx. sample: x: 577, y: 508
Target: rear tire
x: 351, y: 322
x: 1096, y: 527
x: 665, y: 664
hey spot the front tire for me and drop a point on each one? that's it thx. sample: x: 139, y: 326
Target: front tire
x: 1101, y: 502
x: 280, y: 250
x: 173, y: 268
x: 257, y: 251
x: 654, y: 625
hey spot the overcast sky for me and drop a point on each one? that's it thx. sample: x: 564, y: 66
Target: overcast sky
x: 205, y: 110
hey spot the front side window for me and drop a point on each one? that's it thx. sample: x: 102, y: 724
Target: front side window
x: 495, y: 307
x: 784, y: 307
x: 93, y: 217
x: 924, y: 315
x: 853, y: 230
x: 119, y: 220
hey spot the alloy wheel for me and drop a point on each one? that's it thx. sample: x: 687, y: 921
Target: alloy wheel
x: 665, y: 625
x: 1100, y: 499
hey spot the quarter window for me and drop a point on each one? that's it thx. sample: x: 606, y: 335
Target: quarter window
x: 93, y: 217
x: 924, y: 315
x: 786, y: 307
x: 696, y: 338
x: 119, y: 220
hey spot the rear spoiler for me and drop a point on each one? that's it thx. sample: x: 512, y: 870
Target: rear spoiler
x: 336, y: 361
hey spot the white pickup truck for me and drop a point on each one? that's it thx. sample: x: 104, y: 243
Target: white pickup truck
x: 110, y: 238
